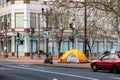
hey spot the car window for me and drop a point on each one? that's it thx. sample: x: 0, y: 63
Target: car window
x: 119, y: 55
x: 112, y: 57
x: 106, y: 57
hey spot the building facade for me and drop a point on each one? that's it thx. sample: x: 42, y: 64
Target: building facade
x: 18, y: 16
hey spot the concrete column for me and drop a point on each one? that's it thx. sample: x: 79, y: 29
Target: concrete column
x: 27, y: 26
x: 45, y: 44
x: 26, y: 16
x: 76, y: 42
x: 0, y: 45
x: 13, y: 17
x: 27, y: 43
x: 118, y: 44
x: 104, y: 44
x: 13, y: 43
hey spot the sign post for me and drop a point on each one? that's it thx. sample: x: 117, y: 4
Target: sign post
x: 47, y: 35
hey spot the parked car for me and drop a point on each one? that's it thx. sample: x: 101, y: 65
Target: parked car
x: 109, y: 61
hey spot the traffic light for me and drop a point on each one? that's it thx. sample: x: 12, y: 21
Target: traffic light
x: 71, y: 38
x: 21, y: 42
x: 32, y: 30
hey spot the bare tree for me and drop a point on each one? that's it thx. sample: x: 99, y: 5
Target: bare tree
x: 59, y: 21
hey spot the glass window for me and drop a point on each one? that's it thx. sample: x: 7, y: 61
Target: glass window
x: 108, y: 46
x: 41, y: 21
x: 19, y: 20
x: 105, y: 57
x: 9, y: 21
x: 112, y: 57
x: 119, y: 55
x: 64, y: 46
x: 33, y: 20
x: 80, y: 46
x: 94, y: 49
x: 101, y: 48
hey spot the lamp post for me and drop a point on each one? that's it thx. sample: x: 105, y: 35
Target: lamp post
x: 5, y: 27
x: 47, y: 14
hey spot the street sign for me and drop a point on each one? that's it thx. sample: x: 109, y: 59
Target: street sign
x: 75, y: 33
x: 47, y: 34
x: 33, y: 38
x: 47, y: 28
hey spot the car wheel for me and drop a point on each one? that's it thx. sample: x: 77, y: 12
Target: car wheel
x: 94, y: 68
x: 115, y: 69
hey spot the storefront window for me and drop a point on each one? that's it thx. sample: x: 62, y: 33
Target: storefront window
x: 19, y: 20
x: 41, y: 21
x: 9, y: 21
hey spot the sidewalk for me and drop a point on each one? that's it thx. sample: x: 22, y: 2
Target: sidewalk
x: 27, y: 60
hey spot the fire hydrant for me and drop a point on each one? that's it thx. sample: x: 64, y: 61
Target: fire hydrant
x: 51, y: 58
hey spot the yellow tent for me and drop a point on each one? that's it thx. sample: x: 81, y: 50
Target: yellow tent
x: 79, y: 54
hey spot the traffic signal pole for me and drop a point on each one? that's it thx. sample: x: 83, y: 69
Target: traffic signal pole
x: 31, y: 50
x: 17, y: 41
x: 32, y: 31
x: 17, y: 49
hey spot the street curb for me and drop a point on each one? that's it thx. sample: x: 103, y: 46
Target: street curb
x: 61, y: 66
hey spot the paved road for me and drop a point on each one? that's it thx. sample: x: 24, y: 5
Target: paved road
x: 37, y: 72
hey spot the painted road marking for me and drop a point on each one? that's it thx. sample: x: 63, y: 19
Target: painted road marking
x: 76, y: 76
x: 117, y: 78
x: 55, y: 79
x: 24, y: 65
x: 5, y: 68
x: 2, y: 68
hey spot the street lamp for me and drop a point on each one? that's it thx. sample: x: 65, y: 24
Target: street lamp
x: 5, y: 27
x: 47, y: 14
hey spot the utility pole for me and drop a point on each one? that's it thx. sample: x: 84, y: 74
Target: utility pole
x: 38, y: 44
x: 85, y: 30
